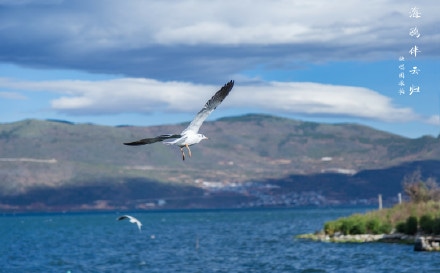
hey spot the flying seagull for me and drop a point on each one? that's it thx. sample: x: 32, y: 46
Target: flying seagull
x: 190, y: 135
x: 132, y: 220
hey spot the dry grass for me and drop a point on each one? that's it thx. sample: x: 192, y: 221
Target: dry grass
x: 401, y: 212
x: 382, y: 221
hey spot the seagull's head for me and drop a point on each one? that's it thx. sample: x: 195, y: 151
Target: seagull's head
x: 202, y: 137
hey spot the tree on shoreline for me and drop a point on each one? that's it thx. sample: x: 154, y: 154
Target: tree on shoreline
x: 419, y: 190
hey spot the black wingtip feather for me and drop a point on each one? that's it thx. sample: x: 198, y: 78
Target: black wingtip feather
x: 151, y: 140
x: 224, y: 91
x: 136, y: 143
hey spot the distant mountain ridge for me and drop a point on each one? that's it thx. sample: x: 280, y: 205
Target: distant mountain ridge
x: 36, y: 156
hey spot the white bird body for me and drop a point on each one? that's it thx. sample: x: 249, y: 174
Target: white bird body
x: 190, y: 135
x: 131, y: 219
x: 189, y: 138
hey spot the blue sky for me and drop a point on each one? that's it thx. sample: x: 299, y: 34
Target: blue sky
x: 157, y: 62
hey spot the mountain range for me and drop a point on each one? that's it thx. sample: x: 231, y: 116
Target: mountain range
x: 251, y: 160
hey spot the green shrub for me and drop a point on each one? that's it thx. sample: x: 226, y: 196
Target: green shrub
x: 427, y: 224
x: 411, y: 225
x: 401, y: 227
x: 330, y: 228
x: 425, y: 216
x: 346, y: 226
x: 358, y: 227
x: 385, y: 228
x: 373, y: 226
x: 436, y: 226
x: 354, y: 224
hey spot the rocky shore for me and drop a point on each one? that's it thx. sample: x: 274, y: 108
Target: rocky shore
x: 427, y: 243
x: 421, y: 243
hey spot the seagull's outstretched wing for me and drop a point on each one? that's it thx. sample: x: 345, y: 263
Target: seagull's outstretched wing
x: 132, y: 220
x: 152, y: 140
x: 209, y: 107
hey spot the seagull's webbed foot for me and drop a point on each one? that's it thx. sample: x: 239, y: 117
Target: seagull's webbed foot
x: 189, y: 150
x: 183, y: 153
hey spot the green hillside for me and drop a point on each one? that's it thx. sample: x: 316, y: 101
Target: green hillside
x: 37, y: 154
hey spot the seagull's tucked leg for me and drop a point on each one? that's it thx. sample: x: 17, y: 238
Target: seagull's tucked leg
x: 183, y: 153
x: 189, y: 150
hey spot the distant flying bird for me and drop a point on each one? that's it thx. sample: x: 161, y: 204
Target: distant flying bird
x: 132, y: 220
x: 190, y: 135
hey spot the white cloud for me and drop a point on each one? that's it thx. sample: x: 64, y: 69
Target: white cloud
x: 433, y: 120
x: 136, y: 24
x: 136, y: 95
x: 149, y: 38
x: 142, y: 23
x: 12, y: 96
x: 324, y: 99
x: 280, y: 22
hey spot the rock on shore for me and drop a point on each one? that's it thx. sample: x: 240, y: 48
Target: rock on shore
x: 421, y: 243
x: 427, y: 243
x: 360, y: 238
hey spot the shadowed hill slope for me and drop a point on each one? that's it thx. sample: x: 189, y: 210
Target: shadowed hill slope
x: 38, y: 154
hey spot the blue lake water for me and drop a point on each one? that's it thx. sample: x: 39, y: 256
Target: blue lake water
x: 195, y: 241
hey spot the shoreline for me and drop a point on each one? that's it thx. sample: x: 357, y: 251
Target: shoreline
x: 420, y: 242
